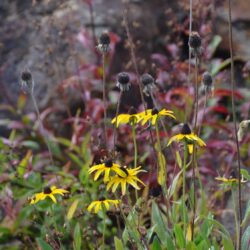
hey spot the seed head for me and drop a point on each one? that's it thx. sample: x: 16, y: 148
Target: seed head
x: 195, y: 43
x: 207, y: 82
x: 27, y: 82
x: 123, y: 81
x: 104, y: 41
x: 148, y: 84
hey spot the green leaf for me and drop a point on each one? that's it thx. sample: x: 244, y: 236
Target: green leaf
x: 72, y: 209
x: 77, y: 237
x: 179, y: 236
x: 75, y: 159
x: 174, y: 183
x: 161, y: 173
x: 118, y: 244
x: 245, y: 243
x: 178, y: 159
x: 156, y: 244
x: 245, y: 174
x: 43, y: 245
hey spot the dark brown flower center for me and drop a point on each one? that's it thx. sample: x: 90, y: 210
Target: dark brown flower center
x: 47, y: 190
x: 102, y: 199
x: 155, y: 111
x: 26, y: 76
x: 185, y: 129
x: 125, y: 171
x: 104, y: 39
x: 108, y: 163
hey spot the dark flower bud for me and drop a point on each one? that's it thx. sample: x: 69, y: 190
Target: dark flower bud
x: 185, y: 129
x: 104, y: 41
x: 195, y: 43
x: 27, y: 82
x: 148, y: 81
x: 123, y: 81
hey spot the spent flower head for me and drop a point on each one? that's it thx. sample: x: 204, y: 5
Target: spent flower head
x: 27, y: 82
x: 148, y: 84
x: 104, y: 41
x: 207, y: 82
x: 195, y: 44
x: 123, y: 81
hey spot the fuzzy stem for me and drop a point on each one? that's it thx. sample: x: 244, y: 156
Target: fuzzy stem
x: 104, y: 227
x: 115, y: 124
x: 196, y: 101
x: 184, y: 189
x: 235, y: 217
x: 104, y: 99
x: 234, y: 121
x: 135, y: 153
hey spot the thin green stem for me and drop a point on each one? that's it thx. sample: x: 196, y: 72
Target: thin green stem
x: 115, y: 124
x: 235, y: 217
x: 196, y: 100
x: 104, y: 227
x: 184, y: 190
x: 234, y: 120
x: 104, y: 98
x: 135, y: 153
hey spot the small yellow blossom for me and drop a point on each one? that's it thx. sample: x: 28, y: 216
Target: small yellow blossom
x: 189, y: 137
x: 128, y: 178
x: 153, y: 115
x: 48, y: 192
x: 101, y: 204
x: 105, y: 167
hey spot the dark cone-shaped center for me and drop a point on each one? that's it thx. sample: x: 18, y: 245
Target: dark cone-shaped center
x: 155, y: 111
x: 147, y: 79
x: 104, y: 39
x: 124, y: 170
x: 47, y: 190
x: 26, y: 76
x: 108, y: 163
x: 132, y: 111
x: 185, y: 129
x: 123, y: 78
x: 102, y: 199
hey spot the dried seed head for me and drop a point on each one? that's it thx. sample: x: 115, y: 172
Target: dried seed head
x: 27, y: 82
x: 148, y: 84
x: 147, y: 79
x: 123, y: 81
x: 243, y: 129
x: 207, y: 83
x: 104, y: 41
x: 185, y: 129
x: 195, y: 43
x: 207, y: 79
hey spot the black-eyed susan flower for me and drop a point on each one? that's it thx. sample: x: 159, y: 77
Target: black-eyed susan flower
x: 101, y: 205
x: 132, y: 118
x: 106, y: 167
x: 123, y: 81
x: 153, y: 115
x: 48, y: 192
x: 128, y: 178
x: 189, y: 137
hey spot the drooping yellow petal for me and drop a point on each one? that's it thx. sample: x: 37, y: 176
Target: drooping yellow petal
x: 95, y: 167
x: 123, y: 184
x: 98, y: 207
x: 190, y: 148
x: 52, y: 197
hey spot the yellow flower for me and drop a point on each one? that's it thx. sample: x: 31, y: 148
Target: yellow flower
x: 153, y: 115
x: 128, y: 178
x: 101, y: 204
x: 105, y: 167
x: 230, y: 180
x: 48, y: 192
x: 126, y: 119
x: 189, y: 137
